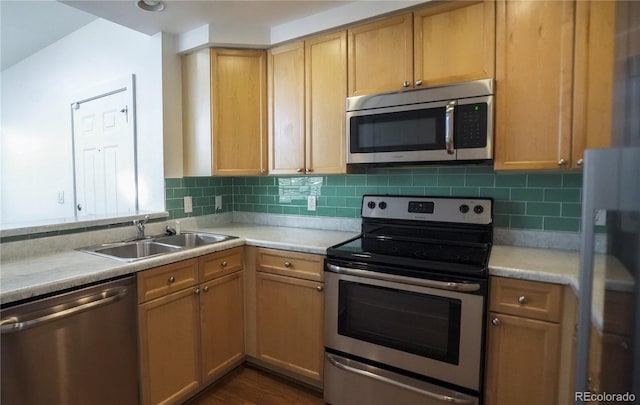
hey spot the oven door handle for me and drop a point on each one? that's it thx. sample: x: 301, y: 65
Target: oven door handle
x: 442, y: 285
x: 366, y: 373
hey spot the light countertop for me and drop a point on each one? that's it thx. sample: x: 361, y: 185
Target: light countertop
x: 26, y: 276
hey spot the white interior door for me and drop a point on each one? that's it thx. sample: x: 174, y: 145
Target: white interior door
x: 104, y: 154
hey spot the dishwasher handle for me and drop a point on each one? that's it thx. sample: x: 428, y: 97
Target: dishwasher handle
x: 13, y: 324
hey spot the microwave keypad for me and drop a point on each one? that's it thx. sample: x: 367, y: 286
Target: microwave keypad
x: 470, y: 126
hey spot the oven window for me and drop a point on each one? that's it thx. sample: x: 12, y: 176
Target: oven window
x: 398, y: 131
x: 425, y: 325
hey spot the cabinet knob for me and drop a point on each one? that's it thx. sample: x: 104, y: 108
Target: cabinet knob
x: 197, y: 291
x: 263, y: 171
x: 223, y: 264
x: 495, y: 321
x: 319, y: 288
x: 405, y: 84
x: 418, y: 82
x: 522, y: 300
x: 299, y: 170
x: 205, y: 288
x: 308, y: 170
x: 172, y: 279
x: 287, y: 264
x: 562, y: 162
x: 580, y: 162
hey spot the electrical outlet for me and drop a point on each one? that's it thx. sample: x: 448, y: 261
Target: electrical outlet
x: 60, y: 197
x: 311, y: 203
x: 188, y: 204
x: 218, y: 202
x: 601, y: 217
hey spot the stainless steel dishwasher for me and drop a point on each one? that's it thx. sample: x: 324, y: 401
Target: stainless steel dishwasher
x: 79, y: 347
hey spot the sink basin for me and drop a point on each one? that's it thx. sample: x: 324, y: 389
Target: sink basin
x: 130, y: 251
x: 192, y: 239
x: 142, y: 249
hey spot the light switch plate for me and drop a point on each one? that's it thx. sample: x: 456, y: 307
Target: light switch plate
x: 218, y: 202
x: 601, y: 217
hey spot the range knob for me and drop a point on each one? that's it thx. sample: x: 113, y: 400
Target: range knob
x: 382, y: 205
x: 464, y: 208
x: 478, y: 209
x: 371, y: 204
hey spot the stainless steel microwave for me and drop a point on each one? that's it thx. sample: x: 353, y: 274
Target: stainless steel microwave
x: 438, y: 124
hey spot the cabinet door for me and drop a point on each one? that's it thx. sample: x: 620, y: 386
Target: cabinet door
x: 222, y: 324
x: 169, y: 333
x: 534, y: 54
x: 326, y: 90
x: 454, y: 42
x: 239, y: 106
x: 289, y: 324
x: 522, y: 361
x: 286, y: 109
x: 595, y: 27
x: 381, y: 56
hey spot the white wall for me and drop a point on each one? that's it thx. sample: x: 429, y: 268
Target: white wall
x: 36, y: 151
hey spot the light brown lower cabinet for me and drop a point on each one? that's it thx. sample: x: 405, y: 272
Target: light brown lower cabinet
x: 169, y: 347
x: 522, y: 357
x: 190, y: 337
x: 529, y: 338
x: 285, y: 312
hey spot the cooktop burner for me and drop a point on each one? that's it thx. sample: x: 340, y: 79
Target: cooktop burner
x: 427, y: 234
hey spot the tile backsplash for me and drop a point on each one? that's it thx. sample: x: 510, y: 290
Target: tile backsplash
x: 533, y: 201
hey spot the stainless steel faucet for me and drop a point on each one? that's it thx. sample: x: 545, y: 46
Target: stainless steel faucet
x: 139, y: 223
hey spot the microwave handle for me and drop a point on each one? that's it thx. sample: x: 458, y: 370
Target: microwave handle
x: 448, y: 126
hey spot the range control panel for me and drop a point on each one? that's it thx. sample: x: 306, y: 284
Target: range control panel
x: 438, y: 209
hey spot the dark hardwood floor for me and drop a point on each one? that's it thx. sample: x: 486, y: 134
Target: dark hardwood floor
x: 250, y: 386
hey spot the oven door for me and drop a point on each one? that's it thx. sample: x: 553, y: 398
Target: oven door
x: 434, y: 329
x: 400, y: 134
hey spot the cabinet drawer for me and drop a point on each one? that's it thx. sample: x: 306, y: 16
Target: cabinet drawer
x: 163, y: 280
x: 220, y: 263
x: 529, y: 299
x: 300, y: 265
x: 617, y: 317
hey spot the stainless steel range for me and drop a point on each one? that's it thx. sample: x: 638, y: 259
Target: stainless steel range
x: 405, y: 303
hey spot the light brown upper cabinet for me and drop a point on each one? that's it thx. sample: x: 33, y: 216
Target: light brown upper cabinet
x: 307, y: 88
x: 445, y: 42
x: 224, y: 95
x: 593, y: 82
x: 326, y: 91
x: 454, y: 42
x: 381, y: 56
x: 552, y: 100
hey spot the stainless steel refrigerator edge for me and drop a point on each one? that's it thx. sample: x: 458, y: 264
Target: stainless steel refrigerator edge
x: 611, y: 182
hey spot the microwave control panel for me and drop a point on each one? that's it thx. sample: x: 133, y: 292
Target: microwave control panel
x: 470, y: 123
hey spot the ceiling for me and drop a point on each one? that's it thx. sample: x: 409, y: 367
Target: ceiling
x: 180, y: 16
x: 28, y: 26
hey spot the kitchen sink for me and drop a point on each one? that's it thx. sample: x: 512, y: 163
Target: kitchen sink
x: 192, y: 239
x: 154, y: 246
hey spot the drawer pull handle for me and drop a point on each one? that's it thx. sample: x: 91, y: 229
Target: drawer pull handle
x: 522, y: 300
x: 495, y: 321
x: 172, y: 279
x: 223, y: 264
x: 287, y: 264
x: 319, y: 288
